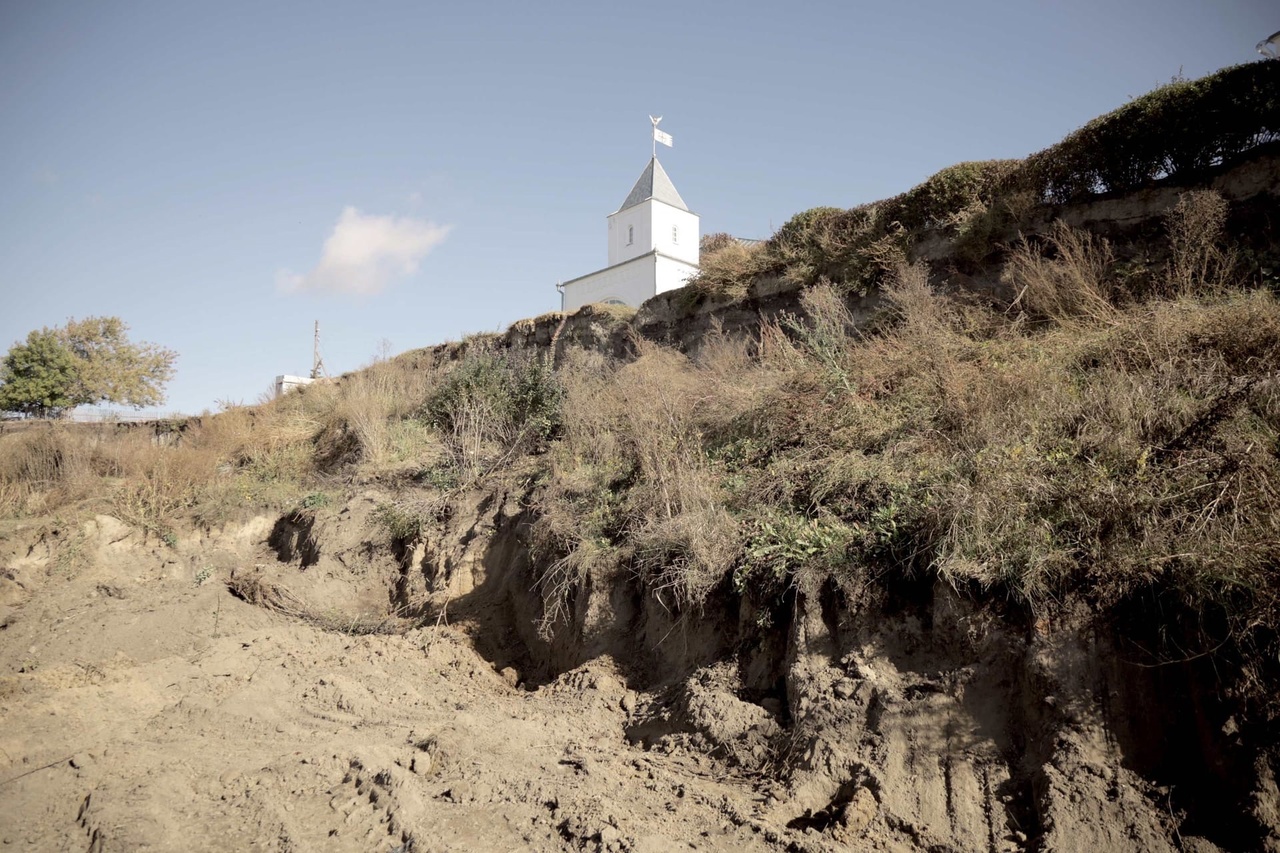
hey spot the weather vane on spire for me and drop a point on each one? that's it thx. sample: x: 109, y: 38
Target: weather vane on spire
x: 658, y: 135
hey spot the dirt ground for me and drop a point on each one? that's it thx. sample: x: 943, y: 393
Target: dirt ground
x: 145, y: 707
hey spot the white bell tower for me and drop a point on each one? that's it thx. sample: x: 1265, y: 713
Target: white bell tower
x: 653, y: 217
x: 653, y: 243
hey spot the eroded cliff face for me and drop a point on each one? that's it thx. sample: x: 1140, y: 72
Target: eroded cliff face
x: 898, y: 709
x: 366, y: 695
x: 363, y: 692
x: 902, y: 713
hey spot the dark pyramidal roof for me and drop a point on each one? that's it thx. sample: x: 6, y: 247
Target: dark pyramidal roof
x: 654, y: 184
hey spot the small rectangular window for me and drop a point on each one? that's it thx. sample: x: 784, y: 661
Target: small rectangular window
x: 675, y: 233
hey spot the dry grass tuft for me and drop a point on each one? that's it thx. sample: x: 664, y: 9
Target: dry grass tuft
x: 630, y: 483
x: 367, y: 418
x: 1073, y: 282
x: 1200, y: 262
x: 219, y: 467
x: 728, y: 269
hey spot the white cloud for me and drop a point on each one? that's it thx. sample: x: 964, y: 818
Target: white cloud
x: 365, y: 253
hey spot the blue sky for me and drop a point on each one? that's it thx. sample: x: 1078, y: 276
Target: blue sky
x: 221, y: 175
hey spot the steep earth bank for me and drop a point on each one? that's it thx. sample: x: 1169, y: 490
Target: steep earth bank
x: 148, y: 706
x: 898, y: 710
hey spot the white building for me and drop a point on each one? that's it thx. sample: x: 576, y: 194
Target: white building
x: 653, y: 247
x: 287, y: 383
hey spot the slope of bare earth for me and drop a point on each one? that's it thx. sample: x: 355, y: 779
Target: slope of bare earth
x: 144, y: 707
x: 252, y: 689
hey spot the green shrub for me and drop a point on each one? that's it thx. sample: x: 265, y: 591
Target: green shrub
x: 947, y: 195
x: 856, y: 249
x: 315, y: 500
x: 400, y: 523
x: 1179, y: 129
x: 824, y: 332
x: 850, y: 248
x: 781, y: 544
x: 494, y: 399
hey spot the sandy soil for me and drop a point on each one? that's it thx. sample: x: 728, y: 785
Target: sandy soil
x: 145, y: 707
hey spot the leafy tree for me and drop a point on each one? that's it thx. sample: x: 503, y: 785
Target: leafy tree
x: 85, y: 362
x: 37, y: 378
x: 112, y: 368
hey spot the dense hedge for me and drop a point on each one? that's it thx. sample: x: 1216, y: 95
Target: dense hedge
x: 949, y: 193
x: 828, y: 243
x: 1177, y: 130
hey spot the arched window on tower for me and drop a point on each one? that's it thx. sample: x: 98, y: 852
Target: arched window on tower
x: 631, y: 234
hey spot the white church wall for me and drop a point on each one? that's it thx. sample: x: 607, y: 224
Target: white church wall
x: 630, y: 283
x: 681, y: 243
x: 670, y: 273
x: 639, y: 220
